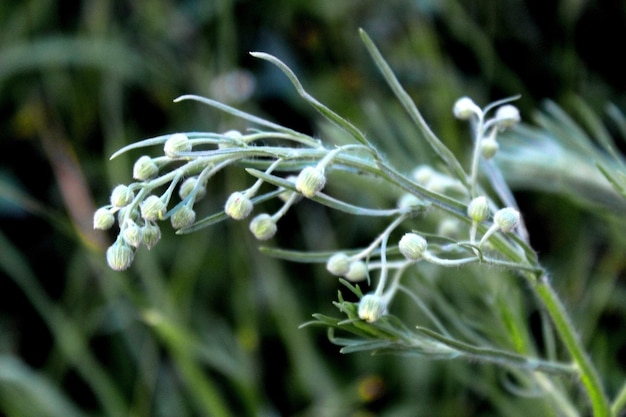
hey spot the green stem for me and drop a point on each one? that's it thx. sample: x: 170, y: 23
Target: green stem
x: 620, y: 401
x: 565, y: 328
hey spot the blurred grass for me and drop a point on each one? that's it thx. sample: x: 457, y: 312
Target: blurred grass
x: 203, y: 324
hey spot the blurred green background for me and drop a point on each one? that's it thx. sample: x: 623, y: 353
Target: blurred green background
x: 203, y: 325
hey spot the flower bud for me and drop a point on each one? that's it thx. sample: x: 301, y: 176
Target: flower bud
x: 338, y: 264
x: 151, y: 235
x: 103, y: 219
x: 178, y: 142
x: 183, y: 217
x: 232, y: 134
x: 286, y: 195
x: 422, y: 174
x: 263, y: 227
x: 238, y: 206
x: 132, y: 234
x: 152, y: 208
x: 145, y: 169
x: 310, y: 181
x: 507, y: 116
x: 119, y: 256
x: 357, y: 271
x: 412, y: 246
x: 371, y: 307
x: 478, y: 209
x: 187, y: 187
x: 506, y: 219
x: 407, y: 200
x: 121, y: 196
x: 464, y: 108
x: 488, y: 147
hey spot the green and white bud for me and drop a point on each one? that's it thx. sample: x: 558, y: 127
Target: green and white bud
x: 506, y: 219
x: 151, y: 235
x: 489, y: 147
x: 338, y: 264
x: 465, y: 108
x: 407, y: 200
x: 286, y: 194
x: 310, y: 181
x: 232, y: 134
x: 183, y: 217
x: 357, y: 271
x: 103, y: 219
x: 371, y: 307
x: 178, y: 142
x: 238, y: 206
x: 263, y: 226
x: 478, y: 209
x: 132, y: 234
x: 145, y: 169
x: 507, y: 116
x: 119, y: 256
x: 152, y: 208
x: 423, y: 174
x: 121, y: 196
x: 412, y: 246
x: 187, y: 187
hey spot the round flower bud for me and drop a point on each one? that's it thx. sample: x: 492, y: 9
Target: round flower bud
x: 464, y: 108
x: 506, y: 219
x: 152, y: 208
x: 422, y: 174
x: 263, y: 227
x: 371, y: 307
x: 183, y: 217
x: 178, y: 142
x: 488, y: 147
x: 407, y: 200
x: 238, y: 206
x: 449, y: 227
x: 232, y: 134
x: 151, y: 235
x: 103, y: 219
x: 357, y: 271
x: 310, y: 181
x: 145, y: 169
x: 507, y: 116
x: 412, y: 246
x: 187, y: 187
x: 478, y: 209
x: 132, y: 234
x: 121, y: 196
x: 119, y: 256
x: 338, y: 264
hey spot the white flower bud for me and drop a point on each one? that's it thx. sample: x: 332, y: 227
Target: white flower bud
x: 357, y: 271
x: 409, y: 200
x: 478, y: 209
x: 151, y: 235
x: 178, y: 142
x: 371, y: 307
x: 263, y: 227
x: 412, y: 246
x: 507, y: 116
x: 145, y: 169
x: 464, y: 108
x: 132, y: 234
x: 310, y: 181
x: 233, y: 134
x: 338, y: 264
x: 187, y: 187
x: 238, y: 206
x: 488, y: 147
x: 103, y: 219
x: 506, y: 219
x: 119, y: 256
x: 183, y: 217
x: 152, y: 208
x: 422, y: 174
x: 121, y: 196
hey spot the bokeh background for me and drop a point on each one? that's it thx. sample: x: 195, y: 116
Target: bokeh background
x: 203, y: 325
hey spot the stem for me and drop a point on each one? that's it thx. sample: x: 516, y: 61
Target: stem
x: 620, y: 401
x: 565, y: 328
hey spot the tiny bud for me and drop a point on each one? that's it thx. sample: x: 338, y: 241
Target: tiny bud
x: 338, y: 264
x: 183, y: 217
x: 478, y: 209
x: 506, y: 219
x: 151, y: 235
x: 422, y: 174
x: 132, y: 234
x: 178, y: 142
x: 357, y: 271
x: 121, y: 196
x: 409, y: 200
x: 103, y: 219
x: 412, y: 246
x: 371, y: 307
x: 238, y: 206
x: 464, y: 108
x: 187, y: 187
x: 263, y: 227
x: 507, y: 116
x: 310, y: 181
x: 119, y: 256
x: 488, y: 147
x: 152, y: 208
x: 235, y: 135
x: 145, y: 169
